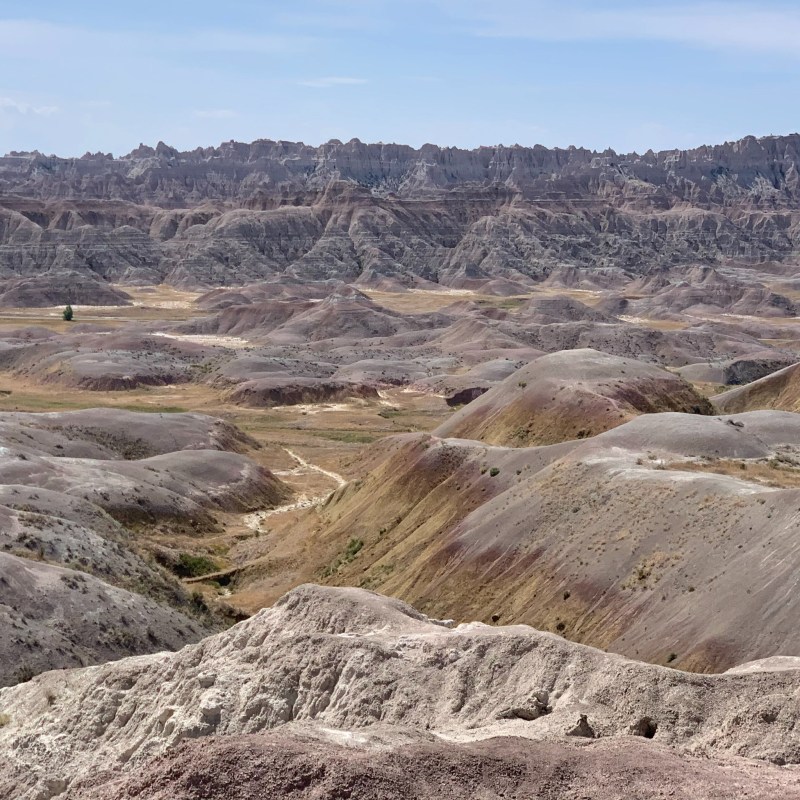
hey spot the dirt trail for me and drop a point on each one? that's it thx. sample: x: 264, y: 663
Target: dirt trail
x: 302, y: 464
x: 254, y: 519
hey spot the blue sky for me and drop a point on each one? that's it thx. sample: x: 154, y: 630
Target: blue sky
x: 90, y: 75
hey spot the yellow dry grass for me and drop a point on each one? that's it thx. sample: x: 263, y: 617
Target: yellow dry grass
x: 150, y: 304
x: 331, y: 436
x: 771, y: 472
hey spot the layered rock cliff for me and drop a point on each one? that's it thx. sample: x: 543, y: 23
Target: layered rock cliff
x: 244, y: 212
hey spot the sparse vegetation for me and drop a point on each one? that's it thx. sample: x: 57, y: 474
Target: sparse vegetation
x: 350, y: 437
x: 4, y: 720
x: 198, y: 602
x: 24, y: 673
x: 332, y: 436
x: 155, y: 409
x: 379, y: 574
x: 354, y: 547
x: 193, y: 566
x: 67, y: 313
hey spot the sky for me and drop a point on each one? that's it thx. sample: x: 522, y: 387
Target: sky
x: 105, y: 76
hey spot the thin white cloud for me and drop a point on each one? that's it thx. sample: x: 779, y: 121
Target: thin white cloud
x: 8, y: 104
x: 215, y: 113
x: 37, y: 39
x: 332, y: 81
x: 763, y: 28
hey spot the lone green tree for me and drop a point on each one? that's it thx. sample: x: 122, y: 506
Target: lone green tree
x: 68, y: 313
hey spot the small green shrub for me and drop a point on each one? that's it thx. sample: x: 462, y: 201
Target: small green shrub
x: 189, y: 566
x: 67, y: 313
x: 350, y: 552
x: 494, y: 471
x: 353, y: 548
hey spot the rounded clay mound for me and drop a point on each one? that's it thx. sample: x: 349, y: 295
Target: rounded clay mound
x: 572, y: 394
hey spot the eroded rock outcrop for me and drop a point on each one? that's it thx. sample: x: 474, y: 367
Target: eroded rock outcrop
x: 378, y: 213
x: 348, y: 660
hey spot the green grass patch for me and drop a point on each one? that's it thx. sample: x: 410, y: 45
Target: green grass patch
x: 155, y: 409
x: 351, y: 437
x: 191, y: 566
x: 353, y: 548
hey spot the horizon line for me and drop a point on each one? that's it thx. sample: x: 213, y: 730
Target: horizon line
x: 355, y: 140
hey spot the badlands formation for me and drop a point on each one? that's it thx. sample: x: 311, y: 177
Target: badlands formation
x: 366, y: 471
x: 319, y: 692
x: 384, y: 214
